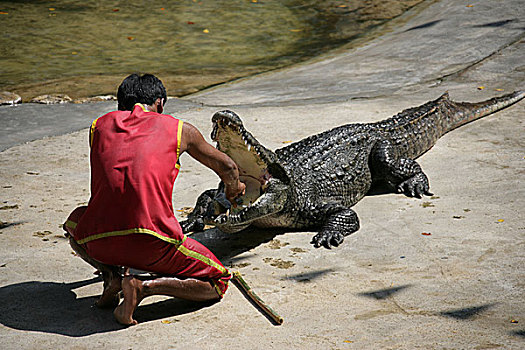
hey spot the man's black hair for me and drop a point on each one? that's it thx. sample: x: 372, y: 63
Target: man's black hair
x: 143, y: 89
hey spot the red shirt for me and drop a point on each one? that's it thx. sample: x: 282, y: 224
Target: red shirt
x: 134, y: 164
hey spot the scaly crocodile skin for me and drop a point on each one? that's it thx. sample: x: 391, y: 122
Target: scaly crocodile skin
x: 313, y: 183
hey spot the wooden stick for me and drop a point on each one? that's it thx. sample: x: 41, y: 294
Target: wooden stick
x: 254, y: 299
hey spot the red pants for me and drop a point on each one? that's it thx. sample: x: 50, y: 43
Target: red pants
x: 148, y: 253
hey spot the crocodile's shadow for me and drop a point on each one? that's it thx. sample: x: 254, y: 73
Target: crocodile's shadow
x: 226, y: 246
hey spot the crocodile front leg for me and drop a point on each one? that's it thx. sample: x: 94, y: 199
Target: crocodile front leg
x: 339, y: 225
x: 404, y: 174
x: 204, y: 209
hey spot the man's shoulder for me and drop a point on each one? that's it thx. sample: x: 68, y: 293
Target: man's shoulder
x: 117, y: 113
x: 147, y: 117
x: 114, y: 114
x: 168, y: 116
x: 168, y: 119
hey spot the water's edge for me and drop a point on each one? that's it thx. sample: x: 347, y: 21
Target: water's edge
x: 341, y: 25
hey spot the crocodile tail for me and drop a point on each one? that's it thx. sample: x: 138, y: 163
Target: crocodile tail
x: 415, y: 130
x: 465, y: 112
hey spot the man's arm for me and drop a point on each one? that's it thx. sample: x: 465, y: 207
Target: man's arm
x: 193, y: 142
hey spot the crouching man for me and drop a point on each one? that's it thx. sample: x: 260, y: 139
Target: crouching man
x: 129, y: 221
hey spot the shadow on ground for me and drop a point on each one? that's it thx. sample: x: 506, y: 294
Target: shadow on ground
x: 468, y: 312
x: 226, y: 246
x: 384, y: 293
x: 168, y: 308
x: 308, y: 277
x: 519, y: 333
x: 463, y: 314
x: 52, y: 307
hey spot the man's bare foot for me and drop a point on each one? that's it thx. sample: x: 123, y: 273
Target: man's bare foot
x: 112, y: 286
x: 132, y: 290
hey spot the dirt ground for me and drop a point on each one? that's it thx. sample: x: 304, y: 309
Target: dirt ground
x: 444, y: 272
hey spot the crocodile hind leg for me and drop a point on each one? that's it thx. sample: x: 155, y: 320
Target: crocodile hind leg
x: 404, y: 174
x: 204, y: 208
x: 339, y: 225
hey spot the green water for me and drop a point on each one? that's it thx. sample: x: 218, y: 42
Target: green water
x: 85, y: 48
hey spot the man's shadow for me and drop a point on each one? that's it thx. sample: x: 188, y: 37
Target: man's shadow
x: 53, y: 307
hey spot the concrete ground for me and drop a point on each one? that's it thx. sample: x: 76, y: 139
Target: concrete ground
x: 444, y: 272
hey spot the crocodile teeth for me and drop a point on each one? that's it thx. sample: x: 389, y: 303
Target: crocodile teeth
x: 249, y: 147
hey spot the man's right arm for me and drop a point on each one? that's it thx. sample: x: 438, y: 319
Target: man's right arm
x: 193, y: 142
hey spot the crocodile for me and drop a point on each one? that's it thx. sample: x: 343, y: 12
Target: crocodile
x: 312, y: 184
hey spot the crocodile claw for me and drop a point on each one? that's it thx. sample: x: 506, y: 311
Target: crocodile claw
x: 416, y: 186
x: 192, y: 225
x: 327, y: 239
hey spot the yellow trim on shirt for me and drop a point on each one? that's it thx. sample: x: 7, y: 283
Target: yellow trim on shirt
x: 92, y: 132
x: 179, y: 138
x: 141, y: 106
x: 129, y: 232
x: 181, y: 248
x: 71, y: 224
x: 184, y: 250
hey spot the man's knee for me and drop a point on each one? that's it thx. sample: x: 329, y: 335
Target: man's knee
x: 73, y: 219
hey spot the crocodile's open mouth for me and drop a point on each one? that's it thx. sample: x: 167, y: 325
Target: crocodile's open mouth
x: 257, y: 165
